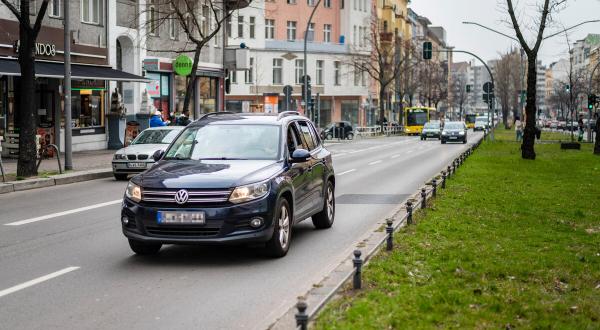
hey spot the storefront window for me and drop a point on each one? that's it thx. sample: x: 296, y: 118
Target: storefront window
x: 180, y: 89
x: 159, y: 90
x: 87, y: 103
x: 350, y: 112
x: 325, y: 113
x: 207, y: 87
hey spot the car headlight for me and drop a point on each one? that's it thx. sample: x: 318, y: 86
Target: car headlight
x: 249, y: 192
x: 133, y: 192
x: 119, y: 156
x: 461, y: 133
x: 444, y: 133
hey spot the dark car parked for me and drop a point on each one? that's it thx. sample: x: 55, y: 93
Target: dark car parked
x: 454, y: 131
x: 338, y: 130
x: 232, y: 178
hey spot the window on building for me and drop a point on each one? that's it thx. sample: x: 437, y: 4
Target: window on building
x: 365, y: 5
x: 229, y: 26
x: 252, y: 26
x: 355, y: 4
x: 92, y: 11
x: 336, y: 73
x: 173, y: 24
x: 249, y: 74
x: 55, y: 8
x: 356, y: 77
x: 291, y: 30
x: 205, y: 25
x: 233, y: 76
x: 310, y: 36
x: 319, y: 75
x: 363, y: 78
x: 361, y: 36
x: 291, y: 2
x: 311, y: 3
x: 359, y: 5
x: 269, y: 28
x: 327, y: 3
x: 385, y: 26
x: 327, y: 33
x: 277, y: 71
x: 240, y: 27
x: 299, y: 71
x: 152, y: 17
x: 342, y: 3
x: 217, y: 37
x: 354, y: 36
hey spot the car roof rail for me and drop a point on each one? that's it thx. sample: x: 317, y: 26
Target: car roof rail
x: 287, y: 113
x: 217, y: 113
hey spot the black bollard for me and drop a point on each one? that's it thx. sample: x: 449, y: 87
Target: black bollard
x: 301, y: 316
x: 390, y: 231
x: 449, y: 170
x: 409, y: 210
x: 357, y: 273
x: 423, y: 198
x: 443, y: 179
x: 434, y: 185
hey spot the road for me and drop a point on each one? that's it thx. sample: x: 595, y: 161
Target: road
x: 66, y: 265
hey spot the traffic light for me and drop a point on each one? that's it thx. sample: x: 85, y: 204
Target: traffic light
x: 568, y: 88
x: 427, y: 50
x: 306, y: 94
x: 468, y: 88
x: 592, y: 99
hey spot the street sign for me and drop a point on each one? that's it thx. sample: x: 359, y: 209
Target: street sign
x: 488, y: 87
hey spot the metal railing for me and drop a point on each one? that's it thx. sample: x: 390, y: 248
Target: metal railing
x: 44, y: 154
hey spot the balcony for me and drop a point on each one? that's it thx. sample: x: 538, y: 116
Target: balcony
x: 386, y: 37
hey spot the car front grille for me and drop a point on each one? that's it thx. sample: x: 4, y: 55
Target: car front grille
x: 142, y: 157
x: 131, y: 157
x: 181, y: 231
x: 196, y: 196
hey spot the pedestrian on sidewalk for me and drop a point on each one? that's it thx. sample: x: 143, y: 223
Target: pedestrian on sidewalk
x: 184, y: 119
x: 519, y: 128
x: 156, y: 119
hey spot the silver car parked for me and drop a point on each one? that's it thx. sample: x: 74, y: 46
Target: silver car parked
x: 137, y: 157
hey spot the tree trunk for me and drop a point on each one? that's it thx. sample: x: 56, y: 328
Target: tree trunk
x: 191, y: 82
x: 527, y: 148
x: 382, y: 102
x: 26, y: 165
x: 597, y: 144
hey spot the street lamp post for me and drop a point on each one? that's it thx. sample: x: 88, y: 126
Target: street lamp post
x: 590, y: 136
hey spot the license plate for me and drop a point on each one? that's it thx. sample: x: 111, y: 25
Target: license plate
x: 453, y: 137
x: 184, y: 218
x: 429, y: 134
x: 136, y: 165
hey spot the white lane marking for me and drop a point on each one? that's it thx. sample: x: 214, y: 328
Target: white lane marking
x: 375, y: 162
x: 36, y: 281
x: 395, y: 156
x: 349, y: 171
x: 60, y: 214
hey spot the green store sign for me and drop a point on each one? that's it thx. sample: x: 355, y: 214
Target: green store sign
x: 183, y: 65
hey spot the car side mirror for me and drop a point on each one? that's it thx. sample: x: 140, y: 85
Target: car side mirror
x: 300, y: 156
x: 158, y: 154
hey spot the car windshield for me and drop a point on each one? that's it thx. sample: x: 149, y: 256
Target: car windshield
x: 156, y: 136
x: 482, y: 119
x: 222, y: 142
x: 432, y: 125
x: 451, y: 126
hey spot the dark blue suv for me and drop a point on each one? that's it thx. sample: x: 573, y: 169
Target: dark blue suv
x: 232, y: 178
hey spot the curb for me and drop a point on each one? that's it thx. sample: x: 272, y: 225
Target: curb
x: 323, y: 292
x: 55, y: 180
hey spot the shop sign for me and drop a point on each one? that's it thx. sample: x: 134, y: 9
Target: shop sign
x: 183, y: 65
x: 41, y: 49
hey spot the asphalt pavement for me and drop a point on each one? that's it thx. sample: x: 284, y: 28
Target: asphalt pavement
x: 66, y: 265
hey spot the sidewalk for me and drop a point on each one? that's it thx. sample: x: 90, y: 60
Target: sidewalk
x: 87, y: 165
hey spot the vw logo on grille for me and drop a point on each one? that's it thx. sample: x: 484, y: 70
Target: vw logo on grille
x: 181, y: 197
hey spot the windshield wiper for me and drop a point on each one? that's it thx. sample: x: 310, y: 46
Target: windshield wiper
x: 176, y: 158
x: 222, y: 158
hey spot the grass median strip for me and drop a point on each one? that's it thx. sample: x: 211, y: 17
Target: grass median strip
x: 509, y: 244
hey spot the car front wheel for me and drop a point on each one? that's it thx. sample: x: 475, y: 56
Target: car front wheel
x: 324, y: 219
x: 144, y: 249
x: 350, y: 136
x: 279, y: 243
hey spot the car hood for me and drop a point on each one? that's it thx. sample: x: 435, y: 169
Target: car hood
x: 431, y: 130
x: 145, y: 149
x: 207, y: 173
x: 453, y: 130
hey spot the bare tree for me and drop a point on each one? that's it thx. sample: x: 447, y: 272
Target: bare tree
x: 433, y: 87
x: 547, y: 8
x: 194, y: 17
x: 459, y: 93
x: 506, y: 85
x: 383, y: 66
x: 28, y: 34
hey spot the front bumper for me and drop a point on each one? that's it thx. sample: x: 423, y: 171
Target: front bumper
x: 121, y: 167
x: 454, y: 138
x: 224, y: 224
x: 430, y: 135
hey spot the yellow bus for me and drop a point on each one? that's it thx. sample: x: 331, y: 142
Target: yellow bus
x: 415, y: 118
x: 470, y: 119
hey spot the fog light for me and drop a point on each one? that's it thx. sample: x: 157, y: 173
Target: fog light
x: 125, y: 220
x: 256, y: 222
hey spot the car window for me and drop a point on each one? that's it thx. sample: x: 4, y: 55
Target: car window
x: 293, y: 138
x: 156, y: 136
x: 315, y: 136
x: 310, y: 143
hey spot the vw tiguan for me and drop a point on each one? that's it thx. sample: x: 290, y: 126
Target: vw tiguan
x: 230, y: 179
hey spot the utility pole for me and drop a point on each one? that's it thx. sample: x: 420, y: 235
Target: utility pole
x: 67, y: 89
x: 306, y: 96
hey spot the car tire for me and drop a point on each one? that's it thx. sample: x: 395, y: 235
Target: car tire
x: 325, y: 218
x: 350, y: 136
x: 328, y: 136
x: 279, y: 244
x: 120, y: 176
x: 144, y: 249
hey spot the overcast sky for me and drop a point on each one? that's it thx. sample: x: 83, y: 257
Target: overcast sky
x: 451, y: 13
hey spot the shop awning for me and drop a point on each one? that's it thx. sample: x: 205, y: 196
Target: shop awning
x: 10, y: 67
